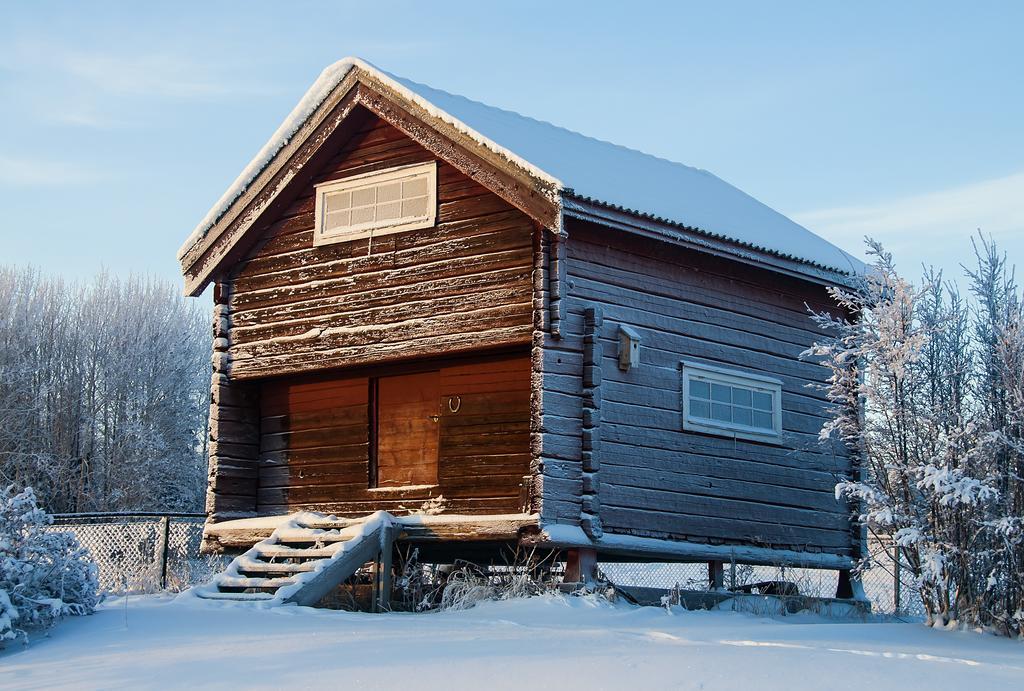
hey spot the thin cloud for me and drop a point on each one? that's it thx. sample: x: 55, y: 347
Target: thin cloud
x: 17, y: 171
x: 912, y: 223
x: 101, y: 89
x: 159, y: 75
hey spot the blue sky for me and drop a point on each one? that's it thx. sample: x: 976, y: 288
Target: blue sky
x: 122, y: 123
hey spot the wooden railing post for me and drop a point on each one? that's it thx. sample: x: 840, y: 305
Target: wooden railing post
x: 386, y: 547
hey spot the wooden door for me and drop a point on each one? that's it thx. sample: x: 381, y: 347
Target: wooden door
x: 405, y: 429
x: 313, y: 441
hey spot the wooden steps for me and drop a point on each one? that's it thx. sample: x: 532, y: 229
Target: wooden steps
x: 300, y: 564
x: 272, y: 552
x: 262, y: 567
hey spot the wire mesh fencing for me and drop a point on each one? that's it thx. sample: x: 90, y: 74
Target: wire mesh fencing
x: 143, y: 552
x: 887, y: 584
x: 152, y: 552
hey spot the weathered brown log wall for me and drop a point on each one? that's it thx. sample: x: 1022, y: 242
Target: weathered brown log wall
x: 460, y: 286
x: 290, y: 308
x: 315, y: 433
x: 655, y: 479
x: 234, y: 429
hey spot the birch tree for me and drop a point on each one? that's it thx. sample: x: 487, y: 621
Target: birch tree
x: 103, y: 392
x: 927, y: 395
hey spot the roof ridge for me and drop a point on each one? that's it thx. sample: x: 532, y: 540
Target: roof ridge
x: 568, y: 162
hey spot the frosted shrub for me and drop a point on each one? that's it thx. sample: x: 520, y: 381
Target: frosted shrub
x: 424, y: 587
x: 465, y: 588
x: 43, y: 575
x: 927, y: 394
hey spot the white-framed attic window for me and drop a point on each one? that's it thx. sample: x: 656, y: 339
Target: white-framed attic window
x: 377, y: 203
x: 731, y: 403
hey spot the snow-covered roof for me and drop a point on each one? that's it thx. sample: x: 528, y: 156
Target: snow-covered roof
x: 578, y: 166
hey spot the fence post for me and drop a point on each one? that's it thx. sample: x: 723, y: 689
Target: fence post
x: 165, y: 530
x: 896, y: 578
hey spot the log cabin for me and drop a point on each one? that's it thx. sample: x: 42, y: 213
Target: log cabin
x: 558, y: 340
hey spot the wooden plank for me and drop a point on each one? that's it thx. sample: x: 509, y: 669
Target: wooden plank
x: 655, y: 261
x: 697, y: 483
x: 423, y: 342
x: 724, y: 530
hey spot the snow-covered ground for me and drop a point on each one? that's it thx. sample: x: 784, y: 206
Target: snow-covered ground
x: 545, y: 642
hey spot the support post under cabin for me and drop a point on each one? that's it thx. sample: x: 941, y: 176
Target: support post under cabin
x: 581, y: 566
x: 716, y: 575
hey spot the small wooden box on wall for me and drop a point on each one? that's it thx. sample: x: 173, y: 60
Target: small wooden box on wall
x: 629, y: 348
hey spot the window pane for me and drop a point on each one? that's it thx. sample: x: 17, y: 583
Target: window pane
x: 700, y: 409
x: 741, y: 416
x: 700, y: 389
x: 763, y: 420
x: 363, y: 197
x: 417, y: 187
x: 362, y: 215
x: 741, y: 396
x: 338, y: 219
x: 762, y: 401
x: 721, y: 392
x: 341, y: 200
x: 389, y: 192
x: 389, y: 211
x: 414, y: 208
x: 721, y: 412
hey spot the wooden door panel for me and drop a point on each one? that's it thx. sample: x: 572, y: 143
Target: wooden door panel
x: 407, y: 429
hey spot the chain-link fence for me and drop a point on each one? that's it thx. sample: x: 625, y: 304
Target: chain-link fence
x: 143, y: 552
x: 149, y: 552
x: 888, y: 585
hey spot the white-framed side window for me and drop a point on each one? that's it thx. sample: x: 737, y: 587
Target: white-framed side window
x: 731, y: 403
x: 378, y: 203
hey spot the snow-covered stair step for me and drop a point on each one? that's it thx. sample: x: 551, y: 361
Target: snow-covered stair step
x: 253, y: 566
x: 245, y: 597
x: 284, y: 552
x: 307, y: 535
x: 246, y: 582
x: 313, y: 521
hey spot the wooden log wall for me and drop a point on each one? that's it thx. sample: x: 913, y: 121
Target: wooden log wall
x: 315, y: 435
x: 233, y: 430
x: 556, y: 441
x: 460, y: 286
x: 590, y: 436
x: 655, y: 479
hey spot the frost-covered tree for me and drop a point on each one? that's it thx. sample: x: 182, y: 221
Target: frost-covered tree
x: 926, y: 392
x: 44, y: 575
x: 998, y: 333
x: 103, y: 392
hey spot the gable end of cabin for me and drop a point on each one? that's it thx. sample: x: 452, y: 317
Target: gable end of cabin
x: 387, y: 366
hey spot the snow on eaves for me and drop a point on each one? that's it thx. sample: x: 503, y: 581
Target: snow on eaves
x: 580, y: 166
